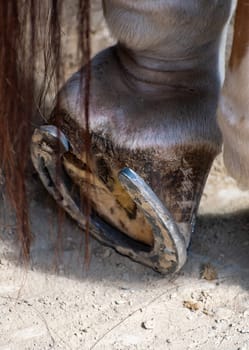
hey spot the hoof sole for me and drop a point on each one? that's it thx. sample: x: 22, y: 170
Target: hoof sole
x: 168, y: 253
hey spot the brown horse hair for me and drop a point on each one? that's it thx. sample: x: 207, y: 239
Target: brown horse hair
x: 21, y: 24
x: 241, y: 34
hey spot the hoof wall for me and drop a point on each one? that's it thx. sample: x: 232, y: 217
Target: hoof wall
x: 168, y: 253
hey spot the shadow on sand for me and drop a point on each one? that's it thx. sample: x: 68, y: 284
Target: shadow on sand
x: 222, y: 240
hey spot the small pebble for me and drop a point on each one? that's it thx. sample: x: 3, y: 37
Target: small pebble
x: 107, y: 253
x: 119, y: 302
x: 243, y: 331
x: 149, y: 324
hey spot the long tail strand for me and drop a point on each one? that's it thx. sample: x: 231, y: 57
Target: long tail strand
x: 20, y: 27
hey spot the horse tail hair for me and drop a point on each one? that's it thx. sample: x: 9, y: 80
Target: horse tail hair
x: 29, y: 30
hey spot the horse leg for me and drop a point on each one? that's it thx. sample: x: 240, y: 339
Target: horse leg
x: 153, y: 100
x: 233, y: 113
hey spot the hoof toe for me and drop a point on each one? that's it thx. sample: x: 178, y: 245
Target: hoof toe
x: 169, y: 249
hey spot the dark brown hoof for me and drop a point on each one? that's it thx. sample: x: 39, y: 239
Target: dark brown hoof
x: 165, y: 253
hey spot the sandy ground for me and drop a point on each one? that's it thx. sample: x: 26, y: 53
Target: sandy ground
x: 55, y: 303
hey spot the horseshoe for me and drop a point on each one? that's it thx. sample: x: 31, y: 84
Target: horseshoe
x: 168, y: 253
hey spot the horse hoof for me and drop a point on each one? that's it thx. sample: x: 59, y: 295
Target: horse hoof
x: 166, y: 253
